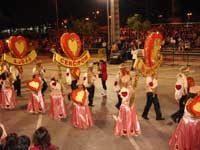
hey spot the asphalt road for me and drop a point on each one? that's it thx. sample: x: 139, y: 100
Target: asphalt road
x: 155, y: 134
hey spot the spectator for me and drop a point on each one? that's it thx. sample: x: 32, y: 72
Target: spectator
x: 42, y: 140
x: 23, y: 142
x: 11, y: 142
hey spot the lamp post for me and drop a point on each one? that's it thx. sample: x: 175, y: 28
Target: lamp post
x: 56, y: 1
x: 108, y: 23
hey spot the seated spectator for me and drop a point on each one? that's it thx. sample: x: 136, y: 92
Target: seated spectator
x: 23, y: 142
x: 42, y: 140
x: 2, y: 136
x: 11, y: 142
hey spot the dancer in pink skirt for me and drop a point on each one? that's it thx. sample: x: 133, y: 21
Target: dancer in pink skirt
x: 187, y: 134
x: 58, y: 107
x: 36, y: 103
x: 81, y: 115
x: 8, y: 97
x: 127, y: 123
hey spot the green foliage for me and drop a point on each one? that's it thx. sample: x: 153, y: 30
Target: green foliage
x: 136, y: 23
x: 83, y: 27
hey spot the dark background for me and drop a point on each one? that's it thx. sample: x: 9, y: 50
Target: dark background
x: 30, y: 12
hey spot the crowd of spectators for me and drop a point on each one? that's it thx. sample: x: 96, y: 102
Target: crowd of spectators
x: 41, y: 140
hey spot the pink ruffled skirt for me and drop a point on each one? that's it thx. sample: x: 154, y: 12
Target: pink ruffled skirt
x: 186, y: 136
x: 81, y: 116
x: 36, y: 103
x: 8, y: 98
x: 58, y: 107
x: 127, y: 123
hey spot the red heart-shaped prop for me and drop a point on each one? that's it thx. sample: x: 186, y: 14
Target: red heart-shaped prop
x: 18, y: 46
x: 71, y: 44
x: 178, y: 86
x: 34, y: 84
x: 124, y: 94
x: 151, y: 84
x: 75, y: 72
x: 79, y: 96
x: 193, y: 106
x: 1, y: 47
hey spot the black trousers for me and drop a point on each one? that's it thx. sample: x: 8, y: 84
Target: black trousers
x: 179, y: 114
x: 91, y: 94
x: 17, y: 85
x: 73, y: 84
x: 152, y: 98
x: 119, y: 101
x: 44, y: 86
x: 104, y: 84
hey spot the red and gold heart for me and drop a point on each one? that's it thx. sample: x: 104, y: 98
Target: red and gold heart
x: 18, y: 46
x: 34, y: 84
x: 75, y: 72
x: 79, y: 96
x: 71, y: 45
x: 193, y: 106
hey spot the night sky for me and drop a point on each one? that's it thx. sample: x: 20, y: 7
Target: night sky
x: 27, y: 12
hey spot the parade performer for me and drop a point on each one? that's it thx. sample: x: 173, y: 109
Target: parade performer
x: 127, y: 121
x: 17, y: 74
x: 181, y: 91
x: 152, y: 97
x: 117, y: 83
x: 81, y: 115
x: 8, y: 97
x: 36, y: 103
x: 102, y: 68
x: 88, y: 81
x: 186, y: 136
x: 72, y: 76
x: 39, y: 68
x: 58, y: 107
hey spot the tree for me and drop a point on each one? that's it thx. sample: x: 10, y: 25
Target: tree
x: 137, y: 23
x: 83, y: 28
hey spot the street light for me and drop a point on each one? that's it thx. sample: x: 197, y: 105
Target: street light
x: 108, y: 22
x: 56, y: 1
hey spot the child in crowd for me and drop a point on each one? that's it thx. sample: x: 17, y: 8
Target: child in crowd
x: 42, y: 140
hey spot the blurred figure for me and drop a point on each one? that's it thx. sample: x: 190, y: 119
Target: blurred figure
x: 127, y: 123
x: 11, y: 142
x: 40, y: 69
x: 81, y: 115
x: 152, y: 97
x: 36, y: 102
x: 88, y: 82
x: 102, y: 68
x: 3, y: 136
x: 23, y: 142
x: 42, y: 140
x: 58, y: 107
x: 8, y: 97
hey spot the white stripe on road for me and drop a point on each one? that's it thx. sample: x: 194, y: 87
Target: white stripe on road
x: 134, y: 144
x: 39, y: 122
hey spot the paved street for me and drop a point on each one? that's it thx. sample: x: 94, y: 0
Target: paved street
x: 155, y: 134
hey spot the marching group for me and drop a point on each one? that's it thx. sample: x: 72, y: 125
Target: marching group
x: 82, y: 94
